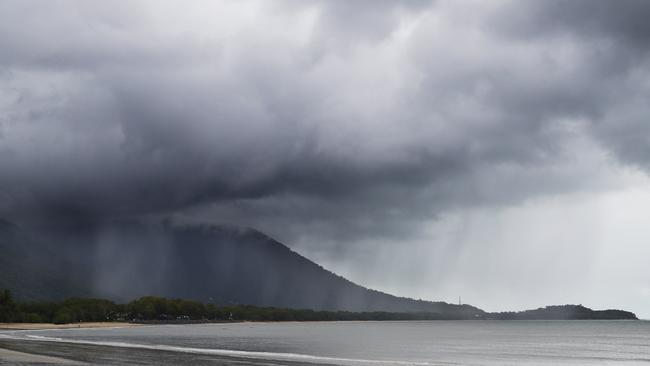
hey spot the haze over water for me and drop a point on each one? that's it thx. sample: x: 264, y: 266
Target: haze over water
x: 370, y: 343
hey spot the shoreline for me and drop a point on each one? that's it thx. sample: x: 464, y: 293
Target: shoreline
x: 37, y: 352
x: 93, y: 325
x: 44, y: 326
x: 25, y: 349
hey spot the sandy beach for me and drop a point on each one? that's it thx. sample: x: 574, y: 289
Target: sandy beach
x: 32, y: 353
x: 40, y: 326
x: 33, y: 356
x: 9, y: 357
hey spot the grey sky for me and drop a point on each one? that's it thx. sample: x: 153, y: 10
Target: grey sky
x: 432, y: 149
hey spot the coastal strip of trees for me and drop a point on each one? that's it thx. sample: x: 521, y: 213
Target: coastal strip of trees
x: 151, y: 309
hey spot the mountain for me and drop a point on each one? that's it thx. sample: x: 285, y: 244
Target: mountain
x: 208, y: 263
x: 215, y: 264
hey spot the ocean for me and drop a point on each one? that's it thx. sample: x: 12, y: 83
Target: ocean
x: 349, y: 343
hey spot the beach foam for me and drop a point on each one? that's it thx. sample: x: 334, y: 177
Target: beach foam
x: 228, y: 353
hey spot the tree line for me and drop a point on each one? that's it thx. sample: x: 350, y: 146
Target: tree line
x: 158, y: 309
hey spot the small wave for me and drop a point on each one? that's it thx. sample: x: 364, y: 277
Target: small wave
x: 277, y: 356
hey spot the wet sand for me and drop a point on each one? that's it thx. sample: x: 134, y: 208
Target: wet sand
x: 32, y: 352
x: 9, y: 357
x: 24, y: 352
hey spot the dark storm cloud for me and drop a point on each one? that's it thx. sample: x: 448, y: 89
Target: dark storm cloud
x: 620, y: 21
x: 616, y: 35
x: 344, y: 119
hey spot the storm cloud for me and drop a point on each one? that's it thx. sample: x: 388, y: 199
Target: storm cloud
x: 332, y: 122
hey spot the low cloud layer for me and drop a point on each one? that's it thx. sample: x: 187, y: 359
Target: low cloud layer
x: 331, y: 121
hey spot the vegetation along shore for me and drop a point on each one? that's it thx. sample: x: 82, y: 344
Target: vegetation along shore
x: 152, y: 309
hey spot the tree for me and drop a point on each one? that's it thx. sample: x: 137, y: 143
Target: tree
x: 7, y: 307
x: 64, y: 316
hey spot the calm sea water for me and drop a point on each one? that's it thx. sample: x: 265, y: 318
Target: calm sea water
x: 389, y: 343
